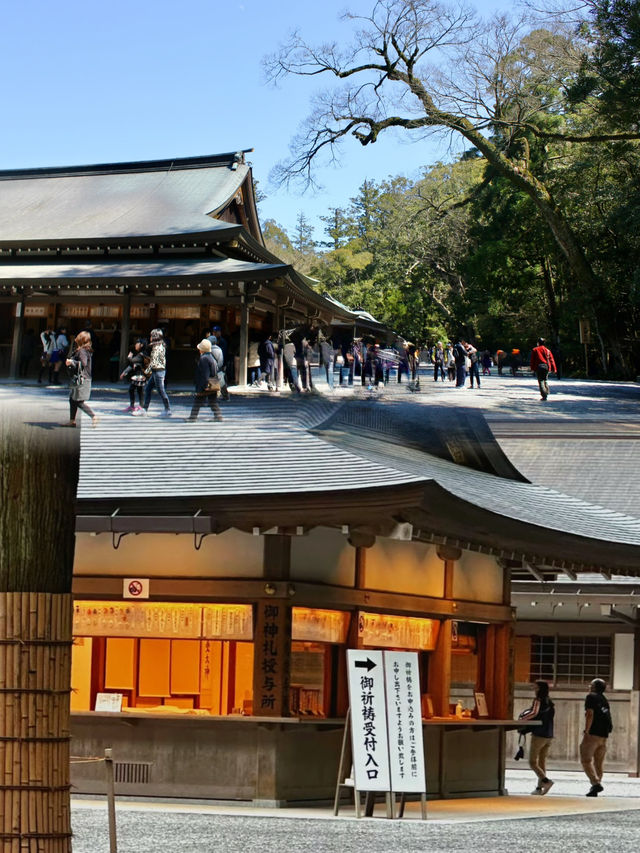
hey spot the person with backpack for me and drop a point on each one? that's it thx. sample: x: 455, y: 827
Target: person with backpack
x: 542, y: 363
x: 542, y: 710
x: 597, y: 728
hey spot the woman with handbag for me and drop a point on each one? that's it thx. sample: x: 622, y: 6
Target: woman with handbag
x: 80, y: 363
x: 137, y: 361
x: 206, y: 383
x: 542, y: 710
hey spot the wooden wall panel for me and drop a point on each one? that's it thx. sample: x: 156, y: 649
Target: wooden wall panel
x: 154, y: 674
x: 185, y: 667
x: 119, y: 670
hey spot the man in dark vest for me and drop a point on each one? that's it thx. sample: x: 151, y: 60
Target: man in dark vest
x: 597, y: 728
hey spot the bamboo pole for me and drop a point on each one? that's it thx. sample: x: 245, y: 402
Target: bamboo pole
x: 35, y: 664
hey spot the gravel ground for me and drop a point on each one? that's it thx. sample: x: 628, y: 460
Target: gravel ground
x: 155, y: 827
x: 143, y: 832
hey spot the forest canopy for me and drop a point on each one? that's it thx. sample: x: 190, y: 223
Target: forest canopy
x: 535, y: 226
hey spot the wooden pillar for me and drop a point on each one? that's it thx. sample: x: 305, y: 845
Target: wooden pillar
x: 280, y: 325
x: 440, y: 671
x: 361, y: 540
x: 16, y: 343
x: 635, y: 705
x: 125, y: 330
x: 241, y: 378
x: 277, y: 557
x: 440, y: 661
x: 272, y: 657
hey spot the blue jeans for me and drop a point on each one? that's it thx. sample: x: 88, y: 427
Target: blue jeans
x: 329, y: 371
x: 156, y: 380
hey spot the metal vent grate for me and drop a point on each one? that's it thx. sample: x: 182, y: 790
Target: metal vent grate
x: 132, y: 772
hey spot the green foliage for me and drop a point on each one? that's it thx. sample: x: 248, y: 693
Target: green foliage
x: 541, y: 230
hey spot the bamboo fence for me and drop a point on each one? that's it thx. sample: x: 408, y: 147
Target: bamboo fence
x: 35, y: 666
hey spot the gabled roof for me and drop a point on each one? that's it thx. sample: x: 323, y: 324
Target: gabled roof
x: 119, y: 200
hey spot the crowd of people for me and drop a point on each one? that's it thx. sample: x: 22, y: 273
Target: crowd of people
x: 275, y: 359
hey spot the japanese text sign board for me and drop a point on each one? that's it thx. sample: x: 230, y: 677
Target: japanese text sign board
x: 386, y: 721
x: 404, y: 720
x: 369, y: 738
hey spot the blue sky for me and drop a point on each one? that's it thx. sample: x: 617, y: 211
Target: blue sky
x: 88, y: 82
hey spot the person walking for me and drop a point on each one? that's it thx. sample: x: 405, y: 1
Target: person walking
x: 438, y: 359
x: 290, y: 366
x: 267, y: 356
x: 597, y: 728
x: 327, y: 358
x: 451, y: 363
x: 136, y: 363
x: 542, y: 710
x: 474, y: 371
x: 48, y: 340
x: 206, y: 369
x: 156, y: 372
x: 542, y: 363
x: 460, y: 357
x: 80, y: 363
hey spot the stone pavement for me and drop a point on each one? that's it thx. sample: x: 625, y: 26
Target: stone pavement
x: 513, y: 823
x: 498, y: 396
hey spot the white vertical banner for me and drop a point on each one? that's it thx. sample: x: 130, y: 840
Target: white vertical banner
x: 404, y: 720
x: 369, y: 736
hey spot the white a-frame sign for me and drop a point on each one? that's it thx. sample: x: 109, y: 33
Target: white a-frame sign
x: 369, y: 738
x: 386, y: 722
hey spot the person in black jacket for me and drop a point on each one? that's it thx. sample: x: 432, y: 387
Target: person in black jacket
x: 267, y: 356
x: 136, y: 363
x: 206, y: 368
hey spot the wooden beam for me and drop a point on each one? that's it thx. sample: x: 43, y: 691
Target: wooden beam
x: 106, y: 588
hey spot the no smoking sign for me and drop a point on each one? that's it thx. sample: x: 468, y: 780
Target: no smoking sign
x: 135, y: 588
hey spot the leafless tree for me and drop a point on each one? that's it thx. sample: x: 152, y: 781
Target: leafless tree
x: 424, y: 67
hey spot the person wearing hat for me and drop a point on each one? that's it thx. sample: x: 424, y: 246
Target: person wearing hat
x: 206, y: 368
x: 156, y: 370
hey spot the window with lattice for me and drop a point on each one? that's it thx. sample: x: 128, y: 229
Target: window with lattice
x: 563, y: 659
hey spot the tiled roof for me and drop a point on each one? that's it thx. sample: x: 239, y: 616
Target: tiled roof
x: 170, y: 198
x: 312, y: 446
x: 262, y: 447
x: 159, y: 271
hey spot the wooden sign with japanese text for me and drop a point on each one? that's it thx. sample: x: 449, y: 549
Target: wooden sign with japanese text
x: 404, y: 722
x: 272, y: 659
x: 369, y: 737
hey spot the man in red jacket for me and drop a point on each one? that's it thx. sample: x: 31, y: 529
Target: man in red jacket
x: 542, y: 363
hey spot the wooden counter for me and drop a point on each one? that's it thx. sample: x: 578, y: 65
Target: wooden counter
x: 266, y: 760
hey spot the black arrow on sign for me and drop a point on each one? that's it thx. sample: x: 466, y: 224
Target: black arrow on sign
x: 367, y: 664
